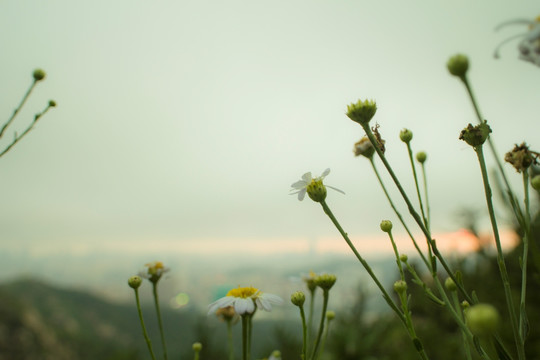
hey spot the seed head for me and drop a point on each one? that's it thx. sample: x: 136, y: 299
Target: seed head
x: 475, y: 135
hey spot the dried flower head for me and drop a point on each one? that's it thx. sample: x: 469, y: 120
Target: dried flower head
x: 475, y: 135
x: 364, y: 148
x: 520, y: 157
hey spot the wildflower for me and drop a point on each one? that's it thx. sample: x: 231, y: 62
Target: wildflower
x: 529, y: 47
x: 458, y: 65
x: 314, y: 187
x: 39, y: 74
x: 421, y: 157
x: 400, y: 286
x: 475, y: 135
x: 310, y: 281
x: 298, y: 298
x: 245, y: 300
x: 520, y: 157
x: 362, y: 111
x: 154, y: 271
x: 325, y: 281
x: 386, y: 226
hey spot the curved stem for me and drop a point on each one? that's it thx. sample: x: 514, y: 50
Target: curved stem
x: 398, y: 214
x: 145, y: 333
x: 16, y: 111
x: 500, y: 256
x: 386, y: 297
x: 326, y: 295
x: 160, y: 322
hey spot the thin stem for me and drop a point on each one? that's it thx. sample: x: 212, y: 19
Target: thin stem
x: 500, y: 256
x: 326, y: 295
x: 414, y: 214
x: 424, y: 178
x: 325, y: 337
x: 26, y: 131
x: 409, y: 325
x: 420, y: 282
x: 245, y: 324
x: 250, y: 331
x: 160, y: 322
x: 304, y: 333
x: 457, y: 307
x: 417, y: 186
x: 428, y: 264
x: 16, y: 111
x: 230, y: 340
x: 362, y: 261
x: 396, y: 253
x: 310, y: 316
x: 523, y: 322
x: 145, y: 333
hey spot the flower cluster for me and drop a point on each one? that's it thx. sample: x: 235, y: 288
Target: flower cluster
x: 154, y: 271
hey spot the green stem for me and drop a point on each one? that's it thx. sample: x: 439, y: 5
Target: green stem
x: 457, y: 307
x: 500, y: 256
x: 245, y: 324
x: 431, y: 242
x: 424, y: 178
x: 230, y: 340
x: 16, y: 111
x: 523, y: 322
x: 410, y: 327
x: 362, y: 261
x: 145, y: 333
x: 428, y: 264
x: 396, y: 253
x: 326, y: 295
x: 417, y: 186
x: 422, y: 283
x: 304, y: 333
x: 325, y: 337
x: 160, y: 322
x: 310, y: 316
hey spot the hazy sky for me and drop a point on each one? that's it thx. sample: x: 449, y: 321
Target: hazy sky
x: 180, y: 122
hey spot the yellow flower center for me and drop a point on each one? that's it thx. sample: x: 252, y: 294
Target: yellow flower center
x: 243, y: 292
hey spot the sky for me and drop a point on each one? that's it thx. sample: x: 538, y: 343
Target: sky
x: 181, y: 125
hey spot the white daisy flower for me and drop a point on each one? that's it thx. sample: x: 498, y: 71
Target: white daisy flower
x: 529, y: 47
x: 154, y: 271
x: 314, y: 187
x: 245, y: 300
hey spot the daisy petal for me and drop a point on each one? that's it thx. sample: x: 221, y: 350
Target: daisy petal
x: 325, y: 172
x: 302, y: 194
x: 307, y: 177
x: 299, y: 184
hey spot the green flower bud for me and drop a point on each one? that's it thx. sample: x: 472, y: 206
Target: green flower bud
x: 330, y: 315
x: 475, y: 135
x: 39, y: 74
x: 325, y: 281
x: 535, y: 182
x: 482, y: 319
x: 135, y: 282
x: 298, y: 298
x: 400, y: 286
x: 450, y: 284
x: 197, y: 346
x: 386, y: 226
x: 406, y: 135
x: 465, y: 305
x: 458, y: 65
x: 362, y: 111
x: 316, y: 190
x: 520, y: 157
x: 52, y: 103
x: 421, y: 157
x: 404, y: 258
x: 276, y: 354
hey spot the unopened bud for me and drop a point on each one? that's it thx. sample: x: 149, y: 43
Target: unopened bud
x: 458, y: 65
x: 298, y: 298
x: 325, y: 281
x: 482, y: 319
x: 406, y: 135
x: 39, y: 74
x: 386, y: 226
x: 421, y: 157
x: 135, y: 282
x: 400, y: 286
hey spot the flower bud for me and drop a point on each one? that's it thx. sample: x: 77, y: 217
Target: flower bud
x: 475, y: 135
x: 52, y: 103
x: 421, y: 157
x: 362, y: 111
x: 400, y: 286
x: 298, y: 298
x: 197, y: 346
x: 482, y: 319
x: 135, y: 282
x: 458, y: 65
x: 316, y: 190
x: 325, y: 281
x: 465, y: 305
x: 406, y: 135
x: 330, y: 315
x: 39, y: 74
x: 450, y: 284
x: 535, y: 182
x: 386, y: 226
x: 520, y: 157
x: 404, y: 258
x: 364, y: 147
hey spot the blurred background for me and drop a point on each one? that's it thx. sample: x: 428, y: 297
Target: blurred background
x: 180, y: 126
